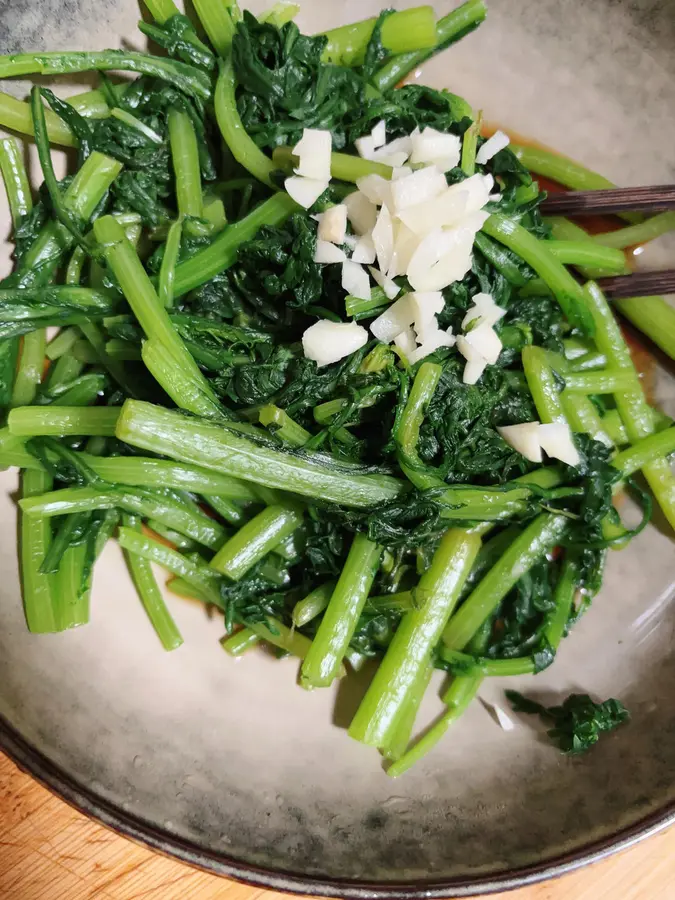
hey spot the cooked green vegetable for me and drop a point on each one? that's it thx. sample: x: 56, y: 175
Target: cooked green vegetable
x: 333, y: 496
x: 578, y: 722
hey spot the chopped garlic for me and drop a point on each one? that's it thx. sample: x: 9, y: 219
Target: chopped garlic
x: 556, y: 440
x: 441, y: 258
x: 379, y: 134
x: 397, y: 318
x: 361, y: 212
x: 476, y: 363
x: 400, y: 172
x: 426, y: 306
x: 405, y: 244
x: 327, y: 342
x: 433, y: 342
x: 365, y: 146
x: 485, y: 310
x: 492, y: 146
x: 524, y: 438
x: 445, y: 210
x: 383, y: 238
x: 355, y: 280
x: 376, y: 188
x: 388, y: 285
x: 406, y: 343
x: 421, y: 186
x: 328, y: 253
x: 431, y: 145
x: 313, y: 151
x: 485, y: 341
x: 333, y: 224
x: 305, y: 191
x: 364, y: 250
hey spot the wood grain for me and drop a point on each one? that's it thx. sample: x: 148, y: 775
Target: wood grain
x: 48, y: 851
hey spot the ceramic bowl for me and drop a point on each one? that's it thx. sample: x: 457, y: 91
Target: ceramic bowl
x: 230, y: 765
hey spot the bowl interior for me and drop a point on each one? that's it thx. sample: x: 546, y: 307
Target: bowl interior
x: 233, y: 758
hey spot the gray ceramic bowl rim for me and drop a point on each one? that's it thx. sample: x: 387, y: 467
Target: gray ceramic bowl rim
x: 51, y: 776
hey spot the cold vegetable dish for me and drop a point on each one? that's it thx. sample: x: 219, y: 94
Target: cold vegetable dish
x: 297, y: 332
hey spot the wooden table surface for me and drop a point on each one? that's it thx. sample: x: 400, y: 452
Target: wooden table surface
x: 48, y: 851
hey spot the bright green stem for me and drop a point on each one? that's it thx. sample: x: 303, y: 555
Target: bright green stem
x: 606, y: 381
x: 449, y: 29
x: 543, y: 385
x: 280, y: 424
x: 168, y: 512
x: 654, y: 316
x: 162, y: 473
x: 243, y: 148
x: 313, y: 604
x: 563, y: 170
x: 187, y: 389
x: 71, y: 595
x: 469, y: 146
x: 633, y: 408
x: 183, y: 76
x: 280, y: 13
x: 408, y: 430
x: 183, y: 588
x: 343, y: 166
x: 161, y: 10
x: 256, y: 539
x: 458, y: 698
x: 501, y: 259
x: 323, y: 661
x: 397, y: 745
x: 169, y: 262
x: 62, y: 343
x: 189, y: 440
x: 566, y: 231
x: 221, y: 254
x: 358, y: 309
x: 565, y: 591
x: 185, y: 158
x: 640, y: 233
x: 35, y: 538
x: 643, y: 452
x: 150, y: 594
x: 583, y: 417
x: 218, y: 25
x: 214, y: 212
x: 591, y: 360
x: 172, y: 363
x: 407, y: 31
x: 587, y: 254
x: 535, y: 253
x: 420, y: 630
x: 226, y: 509
x: 17, y: 116
x: 237, y: 644
x: 16, y: 180
x: 88, y: 187
x: 33, y: 421
x: 540, y: 536
x: 288, y: 639
x: 31, y: 367
x: 204, y: 580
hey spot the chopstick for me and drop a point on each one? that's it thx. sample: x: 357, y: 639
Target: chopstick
x: 613, y: 200
x: 640, y: 284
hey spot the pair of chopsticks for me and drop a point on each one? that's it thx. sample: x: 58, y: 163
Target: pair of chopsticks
x: 613, y: 201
